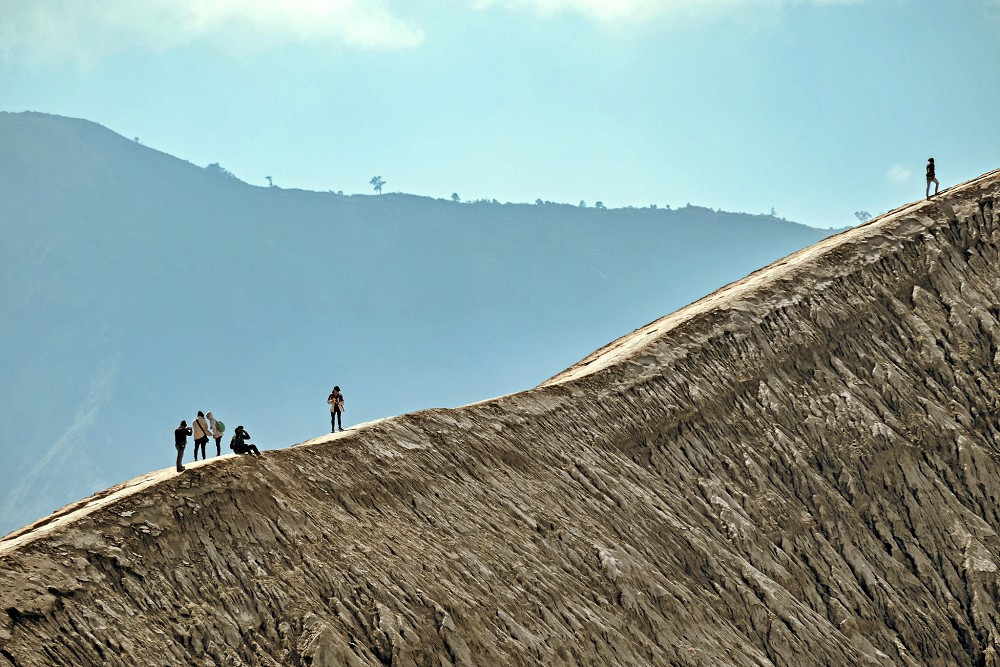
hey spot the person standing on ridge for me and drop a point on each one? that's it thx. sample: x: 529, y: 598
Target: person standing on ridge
x: 216, y: 428
x: 336, y: 401
x: 931, y: 178
x: 200, y: 427
x: 180, y: 442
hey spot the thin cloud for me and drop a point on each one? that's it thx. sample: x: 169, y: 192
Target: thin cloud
x: 897, y: 174
x: 86, y: 31
x: 624, y: 12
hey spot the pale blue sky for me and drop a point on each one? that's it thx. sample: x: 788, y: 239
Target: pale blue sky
x: 815, y: 108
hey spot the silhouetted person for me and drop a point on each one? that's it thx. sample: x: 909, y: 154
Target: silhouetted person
x: 931, y: 178
x: 336, y: 401
x: 239, y: 442
x: 216, y: 428
x: 180, y: 442
x: 200, y: 427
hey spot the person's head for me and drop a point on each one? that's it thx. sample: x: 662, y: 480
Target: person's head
x: 336, y: 388
x: 240, y: 427
x: 930, y: 159
x: 209, y: 414
x: 201, y: 414
x: 183, y: 423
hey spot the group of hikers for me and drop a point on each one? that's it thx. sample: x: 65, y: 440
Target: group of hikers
x: 206, y: 427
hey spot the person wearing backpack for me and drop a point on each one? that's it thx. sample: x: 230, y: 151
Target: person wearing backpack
x: 200, y: 427
x: 239, y: 442
x: 336, y: 401
x: 217, y: 428
x: 180, y: 442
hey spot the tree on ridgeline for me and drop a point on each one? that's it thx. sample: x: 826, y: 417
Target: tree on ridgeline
x: 455, y: 197
x: 862, y: 216
x: 377, y: 183
x: 219, y: 170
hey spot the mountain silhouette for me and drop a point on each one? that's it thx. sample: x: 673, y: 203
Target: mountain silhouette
x: 137, y: 288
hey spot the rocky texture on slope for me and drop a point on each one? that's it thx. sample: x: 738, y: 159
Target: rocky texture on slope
x: 800, y: 469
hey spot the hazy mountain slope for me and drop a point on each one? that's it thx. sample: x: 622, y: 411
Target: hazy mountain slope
x: 136, y: 288
x: 800, y: 469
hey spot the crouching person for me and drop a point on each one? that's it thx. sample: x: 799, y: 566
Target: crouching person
x: 239, y: 442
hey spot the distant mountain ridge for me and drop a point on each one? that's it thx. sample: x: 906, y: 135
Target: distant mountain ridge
x: 137, y: 288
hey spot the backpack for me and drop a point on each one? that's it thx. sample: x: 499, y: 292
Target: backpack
x: 219, y: 425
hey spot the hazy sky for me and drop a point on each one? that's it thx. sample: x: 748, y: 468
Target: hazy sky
x: 815, y: 108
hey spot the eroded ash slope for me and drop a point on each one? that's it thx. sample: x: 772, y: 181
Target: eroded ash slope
x: 800, y: 469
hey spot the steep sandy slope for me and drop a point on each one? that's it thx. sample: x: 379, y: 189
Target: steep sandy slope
x: 801, y: 469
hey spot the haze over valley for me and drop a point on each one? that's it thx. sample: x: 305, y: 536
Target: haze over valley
x: 139, y: 288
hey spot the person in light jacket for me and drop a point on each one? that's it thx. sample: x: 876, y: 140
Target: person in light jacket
x: 201, y: 432
x: 214, y: 428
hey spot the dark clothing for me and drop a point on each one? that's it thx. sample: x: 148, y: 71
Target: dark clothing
x: 180, y: 435
x: 239, y: 443
x: 201, y: 435
x: 180, y: 442
x: 218, y: 446
x: 931, y: 178
x: 239, y: 439
x: 336, y: 401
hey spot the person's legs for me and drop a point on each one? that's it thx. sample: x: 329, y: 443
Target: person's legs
x: 218, y: 446
x: 935, y: 185
x: 252, y: 449
x: 180, y: 455
x: 340, y: 422
x: 333, y: 421
x: 927, y: 190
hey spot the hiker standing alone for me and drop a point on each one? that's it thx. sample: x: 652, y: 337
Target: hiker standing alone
x: 200, y: 427
x: 336, y: 401
x: 931, y: 178
x: 180, y: 442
